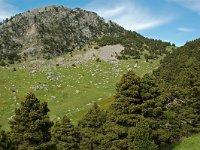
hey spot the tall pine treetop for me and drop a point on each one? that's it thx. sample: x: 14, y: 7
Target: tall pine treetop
x: 30, y: 127
x: 65, y: 135
x: 128, y: 85
x: 94, y: 118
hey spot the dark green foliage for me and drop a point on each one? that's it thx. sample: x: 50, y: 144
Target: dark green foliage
x: 108, y: 40
x: 121, y: 56
x: 2, y: 63
x: 179, y: 75
x: 91, y: 128
x: 54, y: 47
x: 155, y: 112
x: 120, y: 119
x: 149, y: 93
x: 14, y: 69
x: 5, y: 20
x: 142, y: 137
x: 65, y: 135
x: 96, y: 47
x: 135, y: 44
x: 98, y: 60
x: 8, y: 47
x: 135, y: 99
x: 30, y: 126
x: 5, y: 143
x: 151, y: 56
x: 173, y: 45
x: 94, y: 118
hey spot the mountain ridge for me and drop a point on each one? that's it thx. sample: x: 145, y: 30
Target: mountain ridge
x: 52, y: 31
x: 36, y: 29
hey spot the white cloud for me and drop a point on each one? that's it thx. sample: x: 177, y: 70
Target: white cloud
x: 193, y: 5
x: 6, y: 10
x: 128, y: 14
x: 112, y: 12
x: 183, y: 29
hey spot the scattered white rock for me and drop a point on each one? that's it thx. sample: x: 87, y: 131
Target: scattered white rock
x: 53, y: 97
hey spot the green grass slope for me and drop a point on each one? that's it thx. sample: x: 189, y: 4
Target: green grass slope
x: 191, y: 143
x: 68, y: 90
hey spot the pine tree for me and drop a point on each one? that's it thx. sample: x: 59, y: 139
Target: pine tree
x: 5, y: 143
x: 123, y: 113
x: 65, y: 135
x: 152, y: 106
x: 91, y: 128
x: 154, y: 110
x: 179, y: 74
x: 142, y: 137
x: 30, y: 127
x: 135, y: 99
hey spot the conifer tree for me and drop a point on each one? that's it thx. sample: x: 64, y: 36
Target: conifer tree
x: 179, y: 74
x: 30, y: 127
x: 142, y: 137
x: 153, y: 110
x: 65, y: 135
x: 123, y: 113
x: 135, y: 99
x: 91, y: 128
x: 5, y: 143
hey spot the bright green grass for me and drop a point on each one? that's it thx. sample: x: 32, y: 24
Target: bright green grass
x: 74, y: 91
x: 191, y: 143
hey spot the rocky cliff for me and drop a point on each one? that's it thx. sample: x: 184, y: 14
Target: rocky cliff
x: 51, y: 31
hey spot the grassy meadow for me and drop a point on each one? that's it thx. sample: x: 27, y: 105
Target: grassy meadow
x: 68, y: 90
x: 191, y: 143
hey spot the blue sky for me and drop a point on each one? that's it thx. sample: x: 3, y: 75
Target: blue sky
x: 176, y: 21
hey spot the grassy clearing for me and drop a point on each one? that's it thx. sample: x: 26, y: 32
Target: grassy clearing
x: 191, y: 143
x: 68, y: 90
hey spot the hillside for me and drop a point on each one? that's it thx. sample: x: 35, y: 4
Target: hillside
x: 179, y: 75
x: 72, y: 61
x: 69, y: 79
x: 182, y: 65
x: 179, y: 72
x: 69, y: 84
x: 51, y: 31
x: 54, y: 49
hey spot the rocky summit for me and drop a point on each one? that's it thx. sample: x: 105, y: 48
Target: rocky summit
x: 51, y: 31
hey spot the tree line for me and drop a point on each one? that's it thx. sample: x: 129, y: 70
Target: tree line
x: 135, y: 44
